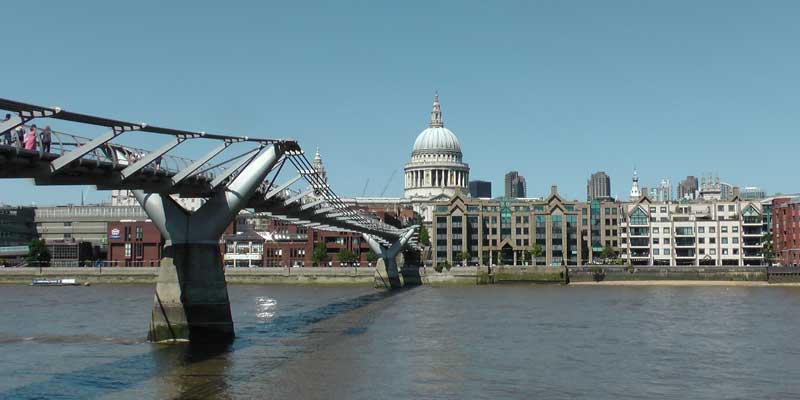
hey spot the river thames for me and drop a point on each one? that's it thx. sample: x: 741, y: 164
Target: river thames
x: 491, y: 342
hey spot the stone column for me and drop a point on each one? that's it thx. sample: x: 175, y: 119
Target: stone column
x: 191, y: 301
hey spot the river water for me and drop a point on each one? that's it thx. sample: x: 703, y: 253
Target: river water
x: 490, y: 342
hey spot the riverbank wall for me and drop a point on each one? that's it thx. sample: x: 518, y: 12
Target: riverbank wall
x: 482, y: 275
x: 144, y: 275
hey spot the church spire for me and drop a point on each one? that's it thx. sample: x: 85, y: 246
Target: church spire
x: 436, y: 114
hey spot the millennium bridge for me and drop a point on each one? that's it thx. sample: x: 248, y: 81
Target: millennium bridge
x: 237, y: 172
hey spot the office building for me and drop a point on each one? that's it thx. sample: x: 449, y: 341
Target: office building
x: 480, y: 189
x: 516, y: 186
x: 598, y: 187
x: 688, y: 188
x: 506, y: 231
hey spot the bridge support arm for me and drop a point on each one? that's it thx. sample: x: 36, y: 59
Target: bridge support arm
x: 191, y: 301
x: 386, y: 269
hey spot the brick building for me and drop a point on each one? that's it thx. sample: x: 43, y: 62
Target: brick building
x: 786, y: 230
x: 134, y: 244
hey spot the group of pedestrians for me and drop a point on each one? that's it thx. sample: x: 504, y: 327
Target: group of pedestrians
x: 26, y: 138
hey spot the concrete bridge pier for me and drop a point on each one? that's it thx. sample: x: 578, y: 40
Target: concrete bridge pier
x: 191, y: 301
x: 386, y: 272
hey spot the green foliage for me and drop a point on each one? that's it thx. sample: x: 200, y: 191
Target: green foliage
x: 372, y: 257
x: 424, y: 238
x: 598, y: 273
x: 608, y: 252
x: 346, y: 256
x: 38, y: 252
x: 442, y: 266
x: 537, y: 251
x: 319, y: 255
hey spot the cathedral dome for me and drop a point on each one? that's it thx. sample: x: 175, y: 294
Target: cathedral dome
x: 436, y: 140
x: 436, y: 167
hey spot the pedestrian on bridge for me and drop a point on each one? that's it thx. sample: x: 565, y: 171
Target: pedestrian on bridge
x: 19, y: 136
x: 30, y: 139
x: 47, y: 136
x: 7, y: 134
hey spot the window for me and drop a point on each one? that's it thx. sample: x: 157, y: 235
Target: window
x: 701, y: 240
x: 724, y: 252
x: 712, y: 252
x: 127, y: 249
x: 638, y: 217
x: 701, y: 229
x: 139, y: 233
x: 666, y: 240
x: 702, y: 251
x: 731, y: 207
x: 655, y: 252
x: 720, y: 208
x: 613, y: 211
x: 724, y: 240
x: 723, y: 229
x: 652, y: 210
x: 655, y: 229
x: 735, y: 251
x: 608, y: 211
x: 712, y: 240
x: 734, y: 229
x: 655, y: 240
x: 712, y: 229
x: 666, y: 252
x: 735, y: 240
x: 663, y: 209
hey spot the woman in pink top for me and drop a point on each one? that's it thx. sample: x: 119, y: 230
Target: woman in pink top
x: 30, y: 139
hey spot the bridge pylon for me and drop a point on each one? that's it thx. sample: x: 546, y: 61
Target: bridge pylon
x: 386, y: 268
x: 191, y: 301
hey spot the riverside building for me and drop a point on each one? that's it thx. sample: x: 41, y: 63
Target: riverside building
x: 715, y: 232
x: 506, y: 231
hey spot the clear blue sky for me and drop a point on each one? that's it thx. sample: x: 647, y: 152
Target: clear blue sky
x: 554, y: 89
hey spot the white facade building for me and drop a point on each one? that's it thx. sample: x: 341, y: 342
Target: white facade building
x: 702, y: 233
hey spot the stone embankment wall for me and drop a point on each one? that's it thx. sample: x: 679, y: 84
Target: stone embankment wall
x: 333, y: 276
x: 426, y: 276
x: 664, y: 273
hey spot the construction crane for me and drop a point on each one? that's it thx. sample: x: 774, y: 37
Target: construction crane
x: 385, y: 188
x: 364, y: 191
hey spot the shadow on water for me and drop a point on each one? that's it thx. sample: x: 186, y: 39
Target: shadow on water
x: 164, y: 360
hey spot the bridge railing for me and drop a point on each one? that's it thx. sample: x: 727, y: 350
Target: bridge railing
x: 117, y: 155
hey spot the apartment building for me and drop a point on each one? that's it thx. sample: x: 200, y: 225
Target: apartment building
x: 714, y: 232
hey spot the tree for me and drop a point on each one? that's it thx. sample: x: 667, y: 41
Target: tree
x: 463, y: 256
x: 372, y: 257
x: 768, y: 249
x: 346, y: 257
x: 536, y: 252
x: 38, y: 252
x: 424, y: 238
x: 608, y: 252
x: 441, y: 266
x: 320, y: 254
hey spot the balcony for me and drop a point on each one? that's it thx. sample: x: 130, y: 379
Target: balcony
x: 684, y: 231
x: 685, y: 253
x: 639, y: 232
x: 640, y: 242
x: 640, y: 254
x: 752, y: 232
x: 752, y: 221
x: 684, y: 242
